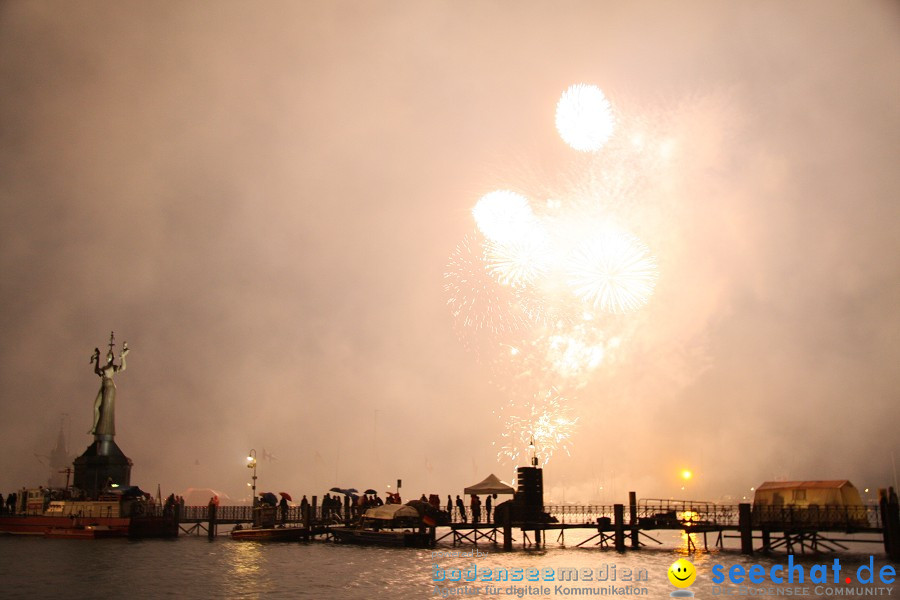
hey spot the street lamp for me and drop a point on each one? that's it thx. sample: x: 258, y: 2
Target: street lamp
x: 251, y: 464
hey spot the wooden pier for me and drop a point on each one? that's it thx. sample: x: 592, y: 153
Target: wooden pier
x: 761, y: 529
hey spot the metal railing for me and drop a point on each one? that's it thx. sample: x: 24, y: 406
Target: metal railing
x: 580, y: 513
x: 244, y: 514
x: 650, y: 513
x: 680, y: 513
x: 847, y: 518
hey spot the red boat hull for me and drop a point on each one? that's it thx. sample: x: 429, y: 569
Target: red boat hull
x: 140, y: 527
x: 276, y: 534
x: 85, y: 533
x: 41, y: 524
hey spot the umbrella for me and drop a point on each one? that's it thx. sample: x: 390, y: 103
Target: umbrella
x: 128, y: 491
x: 286, y: 496
x: 370, y: 491
x: 269, y: 498
x: 346, y: 492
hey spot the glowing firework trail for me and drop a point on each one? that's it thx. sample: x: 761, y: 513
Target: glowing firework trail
x: 518, y: 263
x: 575, y: 353
x: 546, y: 421
x: 564, y: 358
x: 541, y: 282
x: 614, y: 272
x: 475, y: 298
x: 584, y: 118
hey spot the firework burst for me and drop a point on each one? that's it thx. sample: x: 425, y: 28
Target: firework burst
x: 613, y: 271
x: 504, y: 216
x: 584, y: 118
x: 548, y: 286
x: 519, y: 263
x: 546, y: 421
x: 476, y: 300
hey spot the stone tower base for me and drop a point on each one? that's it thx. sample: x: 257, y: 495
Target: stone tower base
x: 101, y: 464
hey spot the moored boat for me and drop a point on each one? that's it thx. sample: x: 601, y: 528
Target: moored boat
x: 121, y: 515
x: 381, y: 537
x: 397, y: 525
x: 271, y: 534
x: 86, y: 532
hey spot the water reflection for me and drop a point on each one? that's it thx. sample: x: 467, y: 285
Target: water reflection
x: 245, y: 574
x: 244, y: 558
x: 191, y: 567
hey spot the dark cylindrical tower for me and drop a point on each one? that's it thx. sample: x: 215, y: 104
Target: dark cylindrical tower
x: 530, y: 492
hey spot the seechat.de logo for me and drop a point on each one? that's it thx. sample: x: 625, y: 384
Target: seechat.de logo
x: 797, y: 573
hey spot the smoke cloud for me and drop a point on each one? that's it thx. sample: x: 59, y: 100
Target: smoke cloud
x: 262, y: 200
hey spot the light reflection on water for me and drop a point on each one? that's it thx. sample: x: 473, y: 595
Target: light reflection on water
x: 192, y: 567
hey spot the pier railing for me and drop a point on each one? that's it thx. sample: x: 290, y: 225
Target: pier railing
x: 680, y: 513
x: 847, y: 518
x: 579, y: 513
x: 244, y: 514
x: 663, y: 514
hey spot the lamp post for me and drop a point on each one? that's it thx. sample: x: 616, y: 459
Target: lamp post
x: 251, y: 464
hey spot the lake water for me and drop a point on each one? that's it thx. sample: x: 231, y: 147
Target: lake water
x: 193, y: 567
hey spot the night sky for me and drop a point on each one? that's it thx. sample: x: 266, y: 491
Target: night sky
x: 263, y: 198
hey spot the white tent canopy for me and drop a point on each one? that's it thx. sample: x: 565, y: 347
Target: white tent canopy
x: 391, y: 511
x: 490, y: 485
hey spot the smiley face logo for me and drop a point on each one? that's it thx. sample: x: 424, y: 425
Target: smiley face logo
x: 682, y: 573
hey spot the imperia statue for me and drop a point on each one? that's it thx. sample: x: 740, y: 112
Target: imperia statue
x: 105, y: 403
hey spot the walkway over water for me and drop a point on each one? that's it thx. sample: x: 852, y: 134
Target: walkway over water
x: 789, y: 528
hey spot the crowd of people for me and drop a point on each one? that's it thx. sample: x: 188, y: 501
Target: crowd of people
x: 8, y: 506
x: 475, y: 505
x: 333, y: 505
x: 337, y: 507
x: 171, y: 502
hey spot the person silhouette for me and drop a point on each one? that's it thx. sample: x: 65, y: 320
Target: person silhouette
x: 461, y: 507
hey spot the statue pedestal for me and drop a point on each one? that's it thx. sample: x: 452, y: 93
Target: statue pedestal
x: 101, y: 463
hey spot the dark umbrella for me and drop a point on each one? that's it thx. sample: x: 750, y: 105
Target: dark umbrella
x: 269, y: 498
x: 431, y: 516
x: 287, y: 496
x: 370, y: 491
x: 127, y: 491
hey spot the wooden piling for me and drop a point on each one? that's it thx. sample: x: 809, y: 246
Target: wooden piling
x: 632, y: 513
x: 507, y: 529
x: 213, y: 520
x: 619, y: 514
x: 890, y: 523
x: 894, y: 510
x: 745, y: 525
x: 315, y: 507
